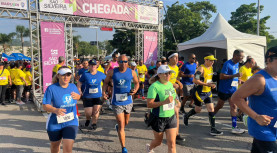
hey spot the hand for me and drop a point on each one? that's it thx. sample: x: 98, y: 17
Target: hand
x: 238, y: 75
x: 132, y: 92
x: 26, y: 84
x: 75, y: 96
x: 211, y: 85
x: 104, y: 96
x: 175, y: 86
x: 60, y: 112
x: 263, y: 120
x: 10, y: 84
x: 169, y: 100
x: 190, y: 75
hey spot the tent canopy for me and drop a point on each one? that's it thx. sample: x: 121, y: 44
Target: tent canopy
x: 20, y: 56
x: 222, y: 37
x: 10, y: 58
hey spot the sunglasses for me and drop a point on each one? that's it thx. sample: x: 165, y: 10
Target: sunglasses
x: 123, y: 62
x: 67, y: 74
x: 193, y: 58
x: 168, y: 73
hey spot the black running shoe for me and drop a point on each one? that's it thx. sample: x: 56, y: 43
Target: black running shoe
x: 215, y: 132
x: 93, y: 126
x: 186, y: 120
x: 179, y: 138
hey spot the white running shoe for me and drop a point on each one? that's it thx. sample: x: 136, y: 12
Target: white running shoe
x: 148, y: 150
x: 18, y: 103
x: 21, y: 103
x: 237, y: 130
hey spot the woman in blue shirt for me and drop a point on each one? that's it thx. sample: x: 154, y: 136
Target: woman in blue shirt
x: 60, y: 100
x: 92, y: 93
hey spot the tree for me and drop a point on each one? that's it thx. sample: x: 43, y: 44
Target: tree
x: 22, y: 32
x: 76, y: 41
x: 86, y: 49
x: 106, y: 45
x: 187, y: 22
x: 6, y: 38
x: 124, y: 41
x: 244, y: 20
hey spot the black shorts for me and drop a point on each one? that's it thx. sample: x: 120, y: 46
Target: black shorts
x: 68, y: 132
x: 13, y: 87
x: 224, y: 96
x: 202, y: 97
x: 259, y: 146
x: 161, y: 124
x: 27, y: 88
x: 90, y: 102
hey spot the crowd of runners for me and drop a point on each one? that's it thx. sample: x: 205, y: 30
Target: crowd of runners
x: 167, y: 86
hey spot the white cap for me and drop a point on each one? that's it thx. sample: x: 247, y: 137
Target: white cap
x: 163, y: 69
x: 133, y: 63
x: 64, y: 71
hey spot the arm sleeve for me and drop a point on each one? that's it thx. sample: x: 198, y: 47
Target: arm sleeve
x: 152, y: 92
x: 47, y: 97
x: 224, y: 69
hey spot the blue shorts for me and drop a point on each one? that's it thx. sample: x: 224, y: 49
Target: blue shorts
x: 69, y: 132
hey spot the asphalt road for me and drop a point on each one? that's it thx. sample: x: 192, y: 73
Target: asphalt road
x: 22, y: 129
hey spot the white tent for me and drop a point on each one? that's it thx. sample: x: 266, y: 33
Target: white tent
x: 222, y: 39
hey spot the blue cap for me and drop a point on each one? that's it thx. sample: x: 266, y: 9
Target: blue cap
x: 92, y: 62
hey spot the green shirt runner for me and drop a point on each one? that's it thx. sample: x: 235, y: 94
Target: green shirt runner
x: 161, y: 92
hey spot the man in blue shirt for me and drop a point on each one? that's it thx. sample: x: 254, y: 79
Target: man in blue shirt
x: 187, y: 73
x: 228, y: 84
x: 262, y: 110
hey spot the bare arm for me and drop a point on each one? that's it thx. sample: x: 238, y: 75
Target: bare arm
x: 10, y: 80
x: 79, y: 84
x: 58, y: 111
x: 223, y: 76
x: 135, y: 81
x: 105, y: 85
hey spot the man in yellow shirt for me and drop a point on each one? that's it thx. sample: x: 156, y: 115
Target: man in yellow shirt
x: 142, y: 71
x: 28, y: 79
x: 19, y: 81
x: 57, y: 66
x: 246, y: 70
x: 5, y: 79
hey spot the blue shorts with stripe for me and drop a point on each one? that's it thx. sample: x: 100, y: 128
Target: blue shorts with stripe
x: 202, y: 97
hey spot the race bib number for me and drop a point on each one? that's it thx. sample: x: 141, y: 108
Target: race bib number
x: 169, y: 106
x: 3, y: 78
x: 235, y: 84
x: 141, y: 75
x: 93, y: 91
x: 121, y: 97
x: 209, y: 81
x: 65, y: 118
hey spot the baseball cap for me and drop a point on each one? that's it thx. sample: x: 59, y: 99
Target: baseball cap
x: 163, y: 69
x: 5, y: 60
x: 271, y: 52
x: 92, y: 62
x: 210, y: 57
x: 133, y: 63
x: 64, y: 71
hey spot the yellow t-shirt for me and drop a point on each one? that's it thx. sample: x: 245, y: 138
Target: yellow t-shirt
x: 174, y: 75
x: 142, y: 71
x: 28, y: 74
x: 56, y: 68
x: 4, y: 78
x: 17, y: 78
x: 100, y: 68
x: 246, y: 73
x: 208, y: 77
x: 13, y: 73
x: 9, y: 68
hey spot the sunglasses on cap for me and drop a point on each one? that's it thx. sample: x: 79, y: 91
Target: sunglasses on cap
x: 123, y: 62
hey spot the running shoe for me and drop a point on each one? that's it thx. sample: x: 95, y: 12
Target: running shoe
x: 148, y: 149
x: 215, y: 132
x: 179, y: 138
x: 18, y: 103
x: 124, y: 150
x: 143, y: 98
x: 21, y: 103
x: 182, y: 111
x: 138, y: 96
x: 237, y: 130
x: 186, y: 120
x: 3, y: 103
x: 93, y: 126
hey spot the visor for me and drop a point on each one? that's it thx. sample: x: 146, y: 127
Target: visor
x: 64, y: 71
x: 211, y: 57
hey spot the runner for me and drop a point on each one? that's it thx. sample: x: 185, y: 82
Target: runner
x: 134, y: 68
x: 203, y: 78
x: 60, y: 100
x: 173, y: 60
x: 122, y: 95
x: 113, y: 64
x: 228, y: 84
x: 162, y: 99
x: 187, y: 72
x: 92, y: 94
x: 28, y: 78
x: 57, y: 66
x: 5, y: 80
x: 262, y: 109
x: 142, y: 71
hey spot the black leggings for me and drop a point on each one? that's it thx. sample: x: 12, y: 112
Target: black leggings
x: 3, y: 89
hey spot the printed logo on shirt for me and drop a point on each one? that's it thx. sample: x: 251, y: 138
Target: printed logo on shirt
x: 68, y: 101
x: 168, y: 91
x: 93, y: 81
x: 121, y: 82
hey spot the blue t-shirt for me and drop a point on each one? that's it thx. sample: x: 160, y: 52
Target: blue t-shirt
x: 264, y: 104
x: 60, y: 97
x: 229, y: 68
x: 151, y: 67
x: 81, y: 71
x: 92, y: 84
x: 122, y: 87
x: 188, y: 68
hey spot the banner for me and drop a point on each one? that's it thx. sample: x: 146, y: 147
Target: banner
x: 106, y: 9
x: 150, y: 47
x: 15, y: 4
x: 53, y: 46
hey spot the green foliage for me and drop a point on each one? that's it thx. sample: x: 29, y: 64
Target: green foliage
x: 5, y: 38
x: 106, y: 45
x: 244, y: 20
x: 76, y: 41
x: 86, y: 49
x: 187, y: 22
x: 21, y: 33
x: 124, y: 41
x: 272, y: 43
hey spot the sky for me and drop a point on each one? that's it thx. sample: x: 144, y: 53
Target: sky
x: 224, y: 7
